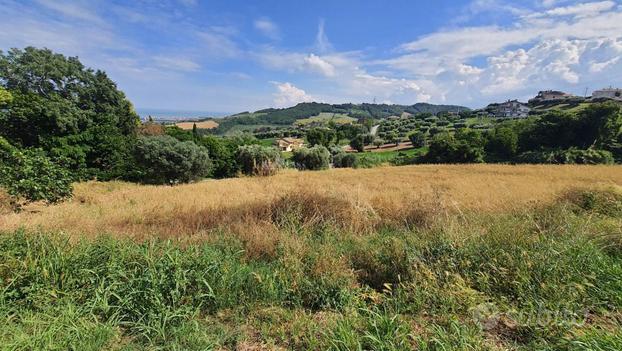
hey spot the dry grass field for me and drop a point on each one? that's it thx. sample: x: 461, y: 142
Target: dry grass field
x: 200, y: 125
x: 470, y: 257
x: 355, y: 200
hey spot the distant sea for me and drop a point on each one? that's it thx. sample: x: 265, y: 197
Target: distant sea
x: 172, y: 115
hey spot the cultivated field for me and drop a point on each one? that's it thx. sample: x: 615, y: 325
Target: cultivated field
x: 200, y: 125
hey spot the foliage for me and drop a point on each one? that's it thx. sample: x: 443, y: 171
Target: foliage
x: 378, y: 142
x: 313, y: 159
x: 344, y: 160
x: 569, y: 156
x: 418, y: 139
x: 320, y: 136
x: 257, y: 160
x: 358, y: 143
x: 464, y: 147
x: 222, y: 152
x: 166, y: 160
x: 5, y: 97
x: 29, y: 175
x: 66, y: 109
x: 502, y: 143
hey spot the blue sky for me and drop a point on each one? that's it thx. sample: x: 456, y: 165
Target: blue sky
x: 231, y: 56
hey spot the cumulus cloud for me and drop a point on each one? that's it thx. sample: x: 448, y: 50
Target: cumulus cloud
x: 287, y: 95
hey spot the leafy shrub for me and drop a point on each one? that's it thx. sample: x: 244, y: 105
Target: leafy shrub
x: 344, y: 160
x: 257, y: 160
x: 31, y: 176
x: 222, y: 152
x: 165, y: 160
x: 417, y: 139
x: 367, y: 160
x: 459, y: 148
x: 502, y: 142
x: 313, y: 159
x: 570, y: 156
x: 321, y: 136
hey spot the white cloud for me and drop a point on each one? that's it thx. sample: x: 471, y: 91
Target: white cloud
x: 218, y: 42
x: 320, y: 65
x: 268, y: 28
x: 74, y: 10
x: 176, y: 63
x: 582, y: 10
x: 321, y: 39
x: 288, y: 95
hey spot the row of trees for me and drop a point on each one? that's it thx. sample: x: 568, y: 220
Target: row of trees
x: 593, y: 135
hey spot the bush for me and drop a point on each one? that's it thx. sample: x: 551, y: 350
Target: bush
x: 344, y: 160
x: 462, y: 148
x: 257, y: 160
x: 570, y: 156
x: 313, y: 159
x: 222, y: 152
x: 165, y: 160
x: 417, y: 139
x: 31, y: 176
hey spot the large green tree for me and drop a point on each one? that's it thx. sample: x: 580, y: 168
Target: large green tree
x: 73, y: 113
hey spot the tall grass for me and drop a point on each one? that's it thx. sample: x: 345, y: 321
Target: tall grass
x: 363, y: 200
x: 545, y: 277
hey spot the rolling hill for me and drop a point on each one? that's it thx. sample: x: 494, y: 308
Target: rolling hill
x: 289, y: 116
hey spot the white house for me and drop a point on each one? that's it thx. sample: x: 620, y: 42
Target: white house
x: 609, y: 93
x: 512, y: 109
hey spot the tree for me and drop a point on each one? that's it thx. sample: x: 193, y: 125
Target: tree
x: 320, y: 136
x: 378, y: 142
x: 313, y: 159
x: 502, y: 143
x: 358, y: 143
x: 30, y: 175
x: 257, y: 160
x: 60, y: 105
x: 222, y: 152
x: 393, y: 137
x: 447, y: 148
x: 195, y: 133
x: 418, y: 139
x: 166, y: 160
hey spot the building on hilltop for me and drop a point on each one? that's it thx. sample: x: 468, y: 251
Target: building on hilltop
x: 608, y: 93
x: 511, y: 109
x: 551, y: 95
x: 289, y: 144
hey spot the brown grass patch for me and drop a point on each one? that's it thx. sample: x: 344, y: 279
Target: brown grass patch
x: 352, y: 200
x: 200, y: 125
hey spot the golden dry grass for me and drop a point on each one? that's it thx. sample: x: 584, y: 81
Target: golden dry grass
x: 352, y: 200
x: 200, y: 125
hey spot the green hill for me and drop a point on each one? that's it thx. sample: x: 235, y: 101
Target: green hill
x: 289, y: 116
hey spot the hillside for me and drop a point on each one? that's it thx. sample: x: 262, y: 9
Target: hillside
x: 570, y: 105
x: 289, y: 116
